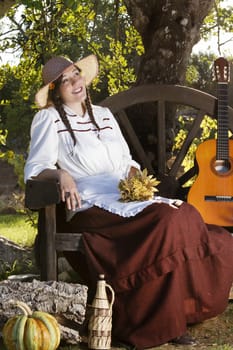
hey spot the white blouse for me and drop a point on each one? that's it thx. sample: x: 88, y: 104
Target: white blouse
x: 97, y: 162
x: 96, y: 152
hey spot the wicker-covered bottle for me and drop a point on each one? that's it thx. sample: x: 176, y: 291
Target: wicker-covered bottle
x: 100, y: 322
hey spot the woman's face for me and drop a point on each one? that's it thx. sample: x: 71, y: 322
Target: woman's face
x: 72, y: 86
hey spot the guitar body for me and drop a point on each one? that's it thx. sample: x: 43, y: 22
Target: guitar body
x: 212, y: 192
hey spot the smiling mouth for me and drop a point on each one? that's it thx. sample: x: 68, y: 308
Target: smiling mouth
x: 77, y: 91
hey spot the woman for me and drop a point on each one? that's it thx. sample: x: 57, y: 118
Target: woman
x: 168, y: 268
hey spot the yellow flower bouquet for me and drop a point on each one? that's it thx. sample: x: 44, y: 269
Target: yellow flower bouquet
x: 140, y: 187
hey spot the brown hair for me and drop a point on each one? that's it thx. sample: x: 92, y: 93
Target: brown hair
x: 55, y: 100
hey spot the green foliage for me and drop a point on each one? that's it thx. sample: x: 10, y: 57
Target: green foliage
x: 199, y: 74
x: 15, y: 111
x: 7, y: 269
x: 219, y: 18
x: 18, y: 162
x: 16, y: 268
x: 119, y: 75
x: 219, y: 21
x: 15, y: 159
x: 3, y: 136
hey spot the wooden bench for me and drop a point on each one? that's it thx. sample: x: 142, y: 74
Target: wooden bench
x: 45, y: 196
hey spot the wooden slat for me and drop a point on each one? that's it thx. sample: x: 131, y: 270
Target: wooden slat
x: 161, y: 147
x: 189, y: 139
x: 188, y: 175
x: 133, y: 139
x: 156, y: 92
x: 67, y: 241
x: 172, y: 93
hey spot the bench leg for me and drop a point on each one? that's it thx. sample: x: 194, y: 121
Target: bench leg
x: 49, y: 262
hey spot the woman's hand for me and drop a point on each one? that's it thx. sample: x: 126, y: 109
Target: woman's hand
x: 69, y: 192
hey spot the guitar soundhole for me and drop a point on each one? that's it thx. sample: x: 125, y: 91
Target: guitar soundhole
x: 222, y: 166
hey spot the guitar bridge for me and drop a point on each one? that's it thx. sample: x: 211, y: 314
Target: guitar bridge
x: 219, y: 198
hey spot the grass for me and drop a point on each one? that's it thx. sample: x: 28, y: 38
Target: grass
x: 18, y: 228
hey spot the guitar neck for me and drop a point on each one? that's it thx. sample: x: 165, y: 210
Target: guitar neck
x: 222, y: 151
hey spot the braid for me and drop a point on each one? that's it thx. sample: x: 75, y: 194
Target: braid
x: 58, y: 104
x: 90, y: 110
x: 59, y: 107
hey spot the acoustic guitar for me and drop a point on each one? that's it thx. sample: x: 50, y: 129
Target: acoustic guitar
x: 212, y: 191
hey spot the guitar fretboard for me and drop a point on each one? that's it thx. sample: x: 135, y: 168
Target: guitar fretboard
x: 222, y: 152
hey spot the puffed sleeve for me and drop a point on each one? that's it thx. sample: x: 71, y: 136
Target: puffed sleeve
x: 128, y: 162
x: 43, y: 149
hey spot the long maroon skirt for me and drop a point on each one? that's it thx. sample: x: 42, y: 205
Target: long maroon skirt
x: 167, y: 267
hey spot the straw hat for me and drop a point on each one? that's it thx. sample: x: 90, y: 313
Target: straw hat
x: 56, y: 66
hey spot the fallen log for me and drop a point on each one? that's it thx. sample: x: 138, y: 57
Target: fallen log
x: 65, y: 301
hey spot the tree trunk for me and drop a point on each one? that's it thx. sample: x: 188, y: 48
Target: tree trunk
x: 65, y: 301
x: 169, y: 30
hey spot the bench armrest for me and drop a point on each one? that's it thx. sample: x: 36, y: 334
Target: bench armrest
x: 41, y: 193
